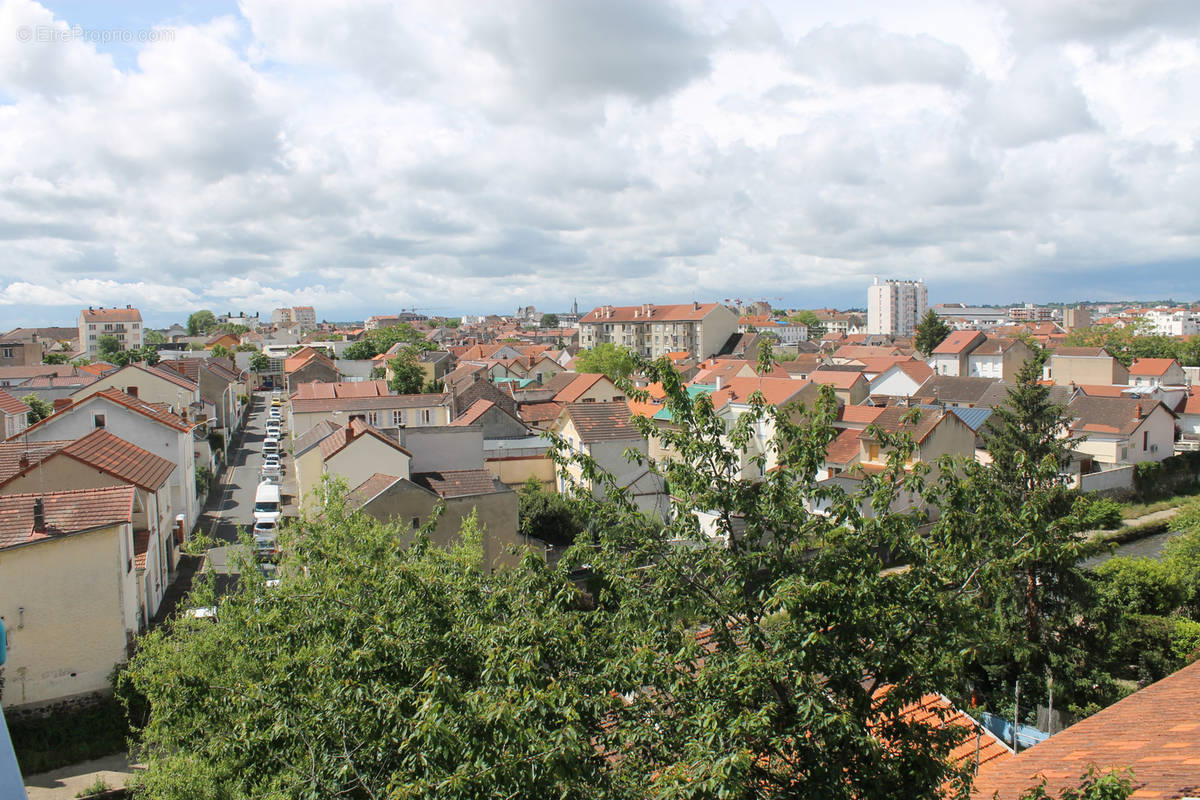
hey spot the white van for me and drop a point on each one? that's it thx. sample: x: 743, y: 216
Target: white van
x: 267, y: 505
x: 270, y: 445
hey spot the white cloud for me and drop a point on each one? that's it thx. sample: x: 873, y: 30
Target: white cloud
x: 449, y: 155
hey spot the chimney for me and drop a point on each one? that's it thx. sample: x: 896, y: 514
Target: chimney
x: 39, y: 515
x: 1137, y: 412
x: 132, y: 391
x: 350, y: 431
x: 720, y: 382
x: 23, y: 461
x: 695, y: 305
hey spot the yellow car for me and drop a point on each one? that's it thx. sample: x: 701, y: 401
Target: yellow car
x: 276, y: 402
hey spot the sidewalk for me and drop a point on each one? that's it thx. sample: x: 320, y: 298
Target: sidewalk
x: 66, y: 782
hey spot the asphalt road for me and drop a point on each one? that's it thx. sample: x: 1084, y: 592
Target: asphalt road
x: 234, y: 495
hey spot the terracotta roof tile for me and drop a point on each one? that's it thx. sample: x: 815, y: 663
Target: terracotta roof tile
x: 579, y: 384
x: 1156, y: 367
x: 337, y: 441
x: 121, y: 459
x: 836, y: 378
x: 539, y: 412
x: 890, y: 420
x: 11, y: 405
x: 844, y: 448
x: 1119, y: 415
x: 368, y: 490
x: 953, y: 389
x: 472, y: 414
x: 1154, y: 731
x: 598, y: 422
x: 12, y: 452
x: 369, y: 403
x: 957, y: 342
x: 457, y: 483
x: 670, y: 313
x: 74, y: 511
x: 111, y: 315
x: 775, y: 391
x: 859, y: 415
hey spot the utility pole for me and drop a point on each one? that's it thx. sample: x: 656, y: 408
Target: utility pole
x: 1016, y: 704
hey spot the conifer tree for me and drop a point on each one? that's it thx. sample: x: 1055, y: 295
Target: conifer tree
x: 931, y: 331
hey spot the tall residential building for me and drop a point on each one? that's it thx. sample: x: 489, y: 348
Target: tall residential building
x: 895, y: 307
x: 697, y: 328
x: 123, y: 323
x: 304, y: 316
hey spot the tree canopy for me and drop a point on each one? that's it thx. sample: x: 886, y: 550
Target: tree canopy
x: 615, y: 361
x: 1134, y: 340
x: 201, y: 322
x: 931, y: 331
x: 107, y: 345
x: 759, y: 643
x: 549, y: 321
x: 39, y: 409
x: 815, y: 329
x: 407, y: 375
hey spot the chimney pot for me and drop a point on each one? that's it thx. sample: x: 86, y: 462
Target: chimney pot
x: 23, y: 462
x: 39, y: 515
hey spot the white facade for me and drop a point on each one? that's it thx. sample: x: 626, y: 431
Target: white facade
x: 986, y: 366
x: 1173, y: 323
x: 895, y: 307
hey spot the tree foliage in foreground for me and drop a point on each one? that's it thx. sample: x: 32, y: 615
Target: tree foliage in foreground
x: 770, y: 655
x: 615, y: 361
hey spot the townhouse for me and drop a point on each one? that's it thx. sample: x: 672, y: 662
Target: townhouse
x: 702, y: 329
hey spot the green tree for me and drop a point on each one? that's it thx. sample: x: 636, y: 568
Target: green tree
x: 39, y: 409
x: 1022, y: 505
x: 545, y: 515
x: 749, y: 647
x: 815, y: 329
x: 107, y: 346
x: 259, y: 362
x: 149, y: 355
x: 615, y: 361
x: 407, y: 375
x: 56, y: 358
x: 931, y: 331
x: 549, y: 321
x: 153, y: 337
x: 220, y: 351
x: 201, y: 322
x: 1114, y: 785
x: 360, y: 350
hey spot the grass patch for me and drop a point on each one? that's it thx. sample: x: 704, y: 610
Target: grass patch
x: 68, y: 738
x: 1135, y: 510
x: 1131, y: 533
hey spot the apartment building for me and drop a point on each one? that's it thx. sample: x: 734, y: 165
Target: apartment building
x: 701, y: 329
x: 123, y: 323
x: 894, y: 307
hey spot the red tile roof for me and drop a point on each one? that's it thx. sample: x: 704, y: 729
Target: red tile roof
x: 597, y: 422
x: 11, y: 405
x: 862, y: 415
x: 1117, y: 415
x: 457, y: 483
x: 1155, y: 731
x: 74, y: 511
x: 111, y: 315
x: 775, y: 391
x: 318, y: 390
x: 121, y: 459
x: 890, y: 420
x: 579, y: 384
x: 844, y: 448
x: 12, y: 452
x: 836, y: 378
x: 370, y: 403
x: 472, y: 414
x: 337, y: 441
x: 539, y: 412
x: 672, y: 313
x: 151, y: 410
x: 368, y: 490
x: 1156, y: 367
x: 957, y: 342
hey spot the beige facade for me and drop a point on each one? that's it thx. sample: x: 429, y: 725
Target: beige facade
x: 69, y: 607
x: 146, y: 385
x: 1066, y: 366
x: 513, y: 471
x: 654, y: 331
x: 123, y: 323
x: 434, y: 411
x: 406, y: 502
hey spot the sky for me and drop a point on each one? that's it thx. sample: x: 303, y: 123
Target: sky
x: 455, y: 157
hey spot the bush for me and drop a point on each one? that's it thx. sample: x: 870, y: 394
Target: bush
x: 1185, y: 640
x: 1140, y: 586
x: 69, y: 737
x: 204, y: 477
x: 1102, y: 514
x: 98, y: 786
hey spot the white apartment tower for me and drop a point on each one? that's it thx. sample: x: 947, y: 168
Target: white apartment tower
x: 895, y: 307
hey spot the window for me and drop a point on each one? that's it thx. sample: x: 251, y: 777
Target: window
x: 416, y: 522
x: 397, y: 419
x: 98, y: 420
x: 373, y: 418
x: 1145, y: 440
x: 426, y: 416
x: 8, y: 352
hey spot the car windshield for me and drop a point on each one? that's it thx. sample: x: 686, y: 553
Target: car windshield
x: 266, y: 507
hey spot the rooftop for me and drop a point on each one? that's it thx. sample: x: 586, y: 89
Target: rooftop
x: 65, y: 513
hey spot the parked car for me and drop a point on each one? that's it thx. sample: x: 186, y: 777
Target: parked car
x: 273, y: 430
x: 272, y: 474
x: 270, y: 445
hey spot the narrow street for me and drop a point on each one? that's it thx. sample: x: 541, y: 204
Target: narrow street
x: 231, y: 502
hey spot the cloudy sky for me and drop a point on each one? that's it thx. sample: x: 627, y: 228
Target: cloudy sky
x: 459, y: 156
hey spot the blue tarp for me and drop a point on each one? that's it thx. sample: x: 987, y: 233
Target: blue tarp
x: 1027, y: 735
